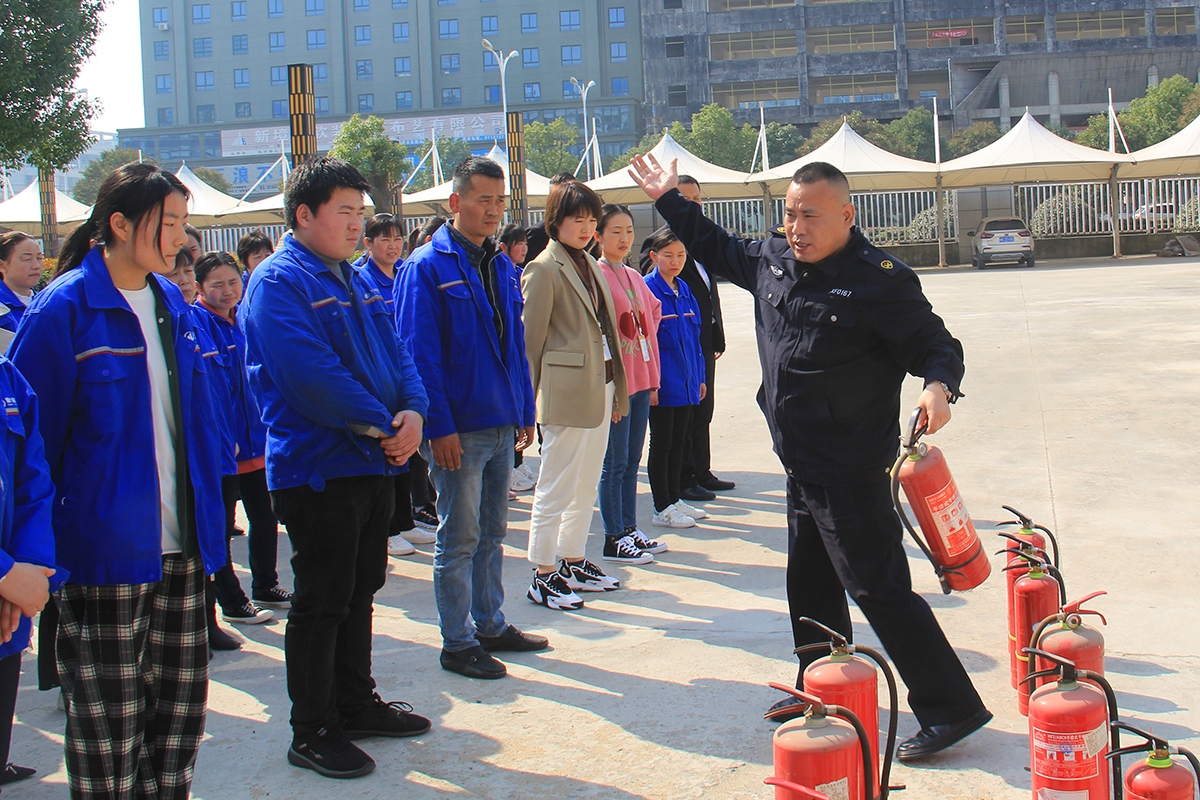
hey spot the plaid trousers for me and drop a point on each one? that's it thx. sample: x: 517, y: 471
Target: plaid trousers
x: 133, y: 660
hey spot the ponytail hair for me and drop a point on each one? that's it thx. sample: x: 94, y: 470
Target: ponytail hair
x: 136, y: 191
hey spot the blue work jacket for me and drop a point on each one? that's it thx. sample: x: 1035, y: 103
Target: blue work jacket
x: 474, y: 381
x: 246, y: 427
x: 11, y: 308
x: 26, y: 493
x: 326, y: 365
x: 386, y: 286
x: 681, y: 363
x: 81, y: 348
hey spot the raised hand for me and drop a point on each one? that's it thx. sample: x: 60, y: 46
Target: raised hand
x: 651, y: 177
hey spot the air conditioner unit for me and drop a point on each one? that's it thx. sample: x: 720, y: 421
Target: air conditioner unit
x: 162, y: 26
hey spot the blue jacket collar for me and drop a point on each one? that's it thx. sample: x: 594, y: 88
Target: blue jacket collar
x: 8, y: 296
x: 98, y: 283
x: 307, y: 258
x: 380, y: 278
x: 658, y: 280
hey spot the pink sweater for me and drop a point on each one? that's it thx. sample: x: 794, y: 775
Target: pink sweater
x: 636, y: 309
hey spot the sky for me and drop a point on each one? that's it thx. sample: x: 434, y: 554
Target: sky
x: 113, y: 75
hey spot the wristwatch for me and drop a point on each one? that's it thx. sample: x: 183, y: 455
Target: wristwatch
x: 950, y: 396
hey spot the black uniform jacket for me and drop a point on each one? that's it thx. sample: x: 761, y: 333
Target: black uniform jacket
x: 712, y: 326
x: 835, y: 340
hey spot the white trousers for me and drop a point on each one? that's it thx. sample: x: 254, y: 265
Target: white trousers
x: 566, y: 489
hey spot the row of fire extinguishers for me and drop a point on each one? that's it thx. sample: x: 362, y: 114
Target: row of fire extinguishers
x: 1056, y: 664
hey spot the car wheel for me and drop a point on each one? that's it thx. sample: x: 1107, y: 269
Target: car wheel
x: 979, y: 262
x: 1030, y: 261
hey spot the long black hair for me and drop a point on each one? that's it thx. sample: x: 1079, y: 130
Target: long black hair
x: 136, y: 191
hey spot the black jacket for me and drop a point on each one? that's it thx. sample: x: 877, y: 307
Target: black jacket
x: 835, y: 340
x: 712, y: 327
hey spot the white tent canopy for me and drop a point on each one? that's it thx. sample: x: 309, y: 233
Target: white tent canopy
x: 867, y: 166
x: 718, y: 183
x: 1177, y: 155
x: 205, y: 202
x: 23, y: 212
x: 434, y: 199
x: 1029, y: 153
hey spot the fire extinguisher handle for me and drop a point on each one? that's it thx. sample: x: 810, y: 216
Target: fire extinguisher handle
x: 1026, y: 521
x: 913, y: 433
x: 835, y: 639
x: 1076, y: 606
x: 808, y: 698
x: 1152, y: 741
x: 796, y: 788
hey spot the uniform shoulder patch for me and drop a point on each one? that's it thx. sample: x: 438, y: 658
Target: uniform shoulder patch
x: 779, y: 231
x: 878, y: 258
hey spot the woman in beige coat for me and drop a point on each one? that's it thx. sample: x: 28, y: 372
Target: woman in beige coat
x: 579, y: 385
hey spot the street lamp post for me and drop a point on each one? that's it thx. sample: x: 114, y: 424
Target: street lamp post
x: 579, y: 87
x: 503, y: 60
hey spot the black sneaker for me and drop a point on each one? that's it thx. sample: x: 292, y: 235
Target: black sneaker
x: 697, y: 493
x: 646, y: 543
x: 217, y: 640
x: 474, y: 662
x: 247, y: 614
x: 384, y: 719
x: 424, y: 518
x: 715, y: 484
x: 552, y: 591
x: 624, y: 550
x: 513, y: 640
x: 586, y: 577
x: 331, y: 754
x: 273, y: 598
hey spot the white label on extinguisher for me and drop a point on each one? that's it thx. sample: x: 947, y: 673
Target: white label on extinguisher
x: 950, y: 515
x: 1068, y: 756
x: 837, y: 790
x: 1059, y: 794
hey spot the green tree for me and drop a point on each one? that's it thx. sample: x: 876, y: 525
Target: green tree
x: 95, y: 172
x: 547, y: 147
x: 1149, y: 119
x: 363, y: 143
x: 716, y: 138
x: 912, y: 134
x: 42, y: 45
x: 970, y: 139
x: 1060, y: 130
x: 783, y: 142
x: 213, y: 178
x: 452, y: 151
x: 870, y: 129
x: 640, y: 149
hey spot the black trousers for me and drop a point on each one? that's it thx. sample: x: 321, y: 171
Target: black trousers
x: 339, y: 560
x: 697, y: 451
x: 668, y: 437
x: 847, y: 540
x: 10, y: 677
x: 263, y: 537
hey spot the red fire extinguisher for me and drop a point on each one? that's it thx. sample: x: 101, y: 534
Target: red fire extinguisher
x: 950, y: 542
x: 845, y: 679
x: 1039, y: 594
x: 821, y: 754
x: 1070, y: 733
x: 1158, y: 776
x: 1065, y: 635
x: 1028, y: 540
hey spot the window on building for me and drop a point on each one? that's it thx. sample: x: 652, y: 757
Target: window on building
x: 677, y: 96
x: 241, y: 109
x: 755, y: 44
x: 314, y: 8
x: 241, y: 79
x: 321, y: 105
x: 201, y: 14
x: 450, y: 63
x: 276, y: 41
x: 206, y: 114
x: 570, y: 90
x: 166, y: 116
x: 316, y: 40
x: 529, y: 23
x: 320, y: 73
x: 852, y: 89
x: 926, y: 85
x: 241, y: 44
x: 1175, y: 21
x: 753, y: 94
x: 162, y: 51
x: 364, y: 69
x: 492, y: 95
x: 620, y: 87
x: 618, y: 51
x: 362, y: 34
x: 447, y: 29
x: 949, y: 32
x: 274, y: 8
x: 451, y: 97
x: 366, y: 103
x: 530, y: 57
x: 533, y: 92
x: 403, y: 66
x: 447, y: 2
x: 206, y: 81
x: 403, y: 100
x: 739, y: 5
x: 675, y: 47
x: 572, y: 54
x: 1100, y: 24
x: 362, y: 5
x: 399, y: 31
x: 159, y: 16
x: 671, y: 5
x: 850, y: 39
x: 399, y: 3
x: 237, y: 11
x: 489, y: 25
x: 1025, y: 28
x: 279, y: 109
x: 568, y: 20
x: 162, y: 84
x: 279, y: 76
x: 490, y: 61
x: 616, y: 17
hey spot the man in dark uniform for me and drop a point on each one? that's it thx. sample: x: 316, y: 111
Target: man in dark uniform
x: 839, y: 323
x: 697, y: 481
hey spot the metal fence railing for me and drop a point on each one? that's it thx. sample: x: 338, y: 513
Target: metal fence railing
x: 1153, y: 205
x: 226, y: 239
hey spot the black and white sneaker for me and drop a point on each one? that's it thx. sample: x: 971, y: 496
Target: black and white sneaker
x: 552, y: 591
x: 586, y: 577
x: 424, y: 518
x: 625, y: 551
x: 646, y: 543
x: 273, y: 598
x: 330, y: 753
x: 247, y: 614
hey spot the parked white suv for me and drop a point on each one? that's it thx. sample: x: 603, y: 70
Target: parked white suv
x: 1001, y: 240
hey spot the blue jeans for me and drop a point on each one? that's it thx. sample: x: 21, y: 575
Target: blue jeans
x: 618, y: 478
x: 472, y: 507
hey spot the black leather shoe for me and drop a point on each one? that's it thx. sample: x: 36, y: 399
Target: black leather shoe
x: 513, y: 641
x: 220, y: 640
x: 786, y: 709
x: 474, y: 662
x: 715, y: 484
x: 936, y: 738
x: 696, y: 492
x: 12, y: 773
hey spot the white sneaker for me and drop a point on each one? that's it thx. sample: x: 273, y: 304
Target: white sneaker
x: 694, y: 513
x: 399, y: 546
x: 419, y: 536
x: 520, y: 482
x: 587, y: 577
x: 529, y: 472
x: 671, y: 517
